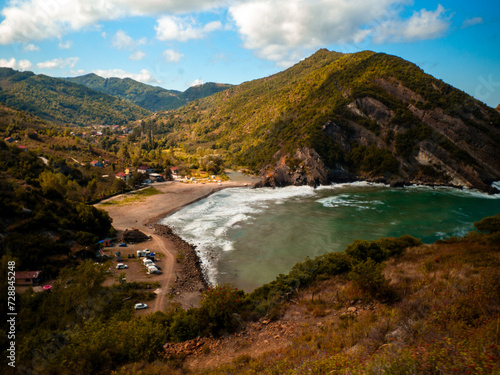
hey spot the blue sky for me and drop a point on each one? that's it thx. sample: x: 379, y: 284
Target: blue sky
x: 179, y: 43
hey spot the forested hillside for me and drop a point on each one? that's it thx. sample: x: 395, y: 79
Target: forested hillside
x: 64, y: 102
x: 340, y: 117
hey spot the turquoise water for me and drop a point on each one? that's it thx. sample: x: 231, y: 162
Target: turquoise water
x: 249, y: 236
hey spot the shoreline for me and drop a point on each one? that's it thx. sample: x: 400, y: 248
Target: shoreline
x: 183, y: 278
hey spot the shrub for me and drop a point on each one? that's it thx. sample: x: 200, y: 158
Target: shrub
x: 219, y: 309
x: 489, y: 224
x: 362, y: 250
x: 184, y: 327
x: 369, y: 277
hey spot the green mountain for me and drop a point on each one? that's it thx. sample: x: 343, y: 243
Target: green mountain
x: 60, y: 101
x: 342, y: 117
x: 149, y: 97
x: 202, y: 91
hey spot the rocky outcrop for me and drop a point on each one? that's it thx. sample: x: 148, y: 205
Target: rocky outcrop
x: 305, y: 167
x: 372, y: 109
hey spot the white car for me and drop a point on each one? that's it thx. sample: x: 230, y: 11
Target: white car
x: 140, y: 306
x: 121, y: 266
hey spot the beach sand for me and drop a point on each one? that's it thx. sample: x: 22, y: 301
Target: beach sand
x: 142, y: 214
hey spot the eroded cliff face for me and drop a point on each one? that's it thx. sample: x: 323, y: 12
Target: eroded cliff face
x: 460, y: 147
x: 305, y: 167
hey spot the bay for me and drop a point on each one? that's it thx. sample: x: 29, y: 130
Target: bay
x: 249, y: 236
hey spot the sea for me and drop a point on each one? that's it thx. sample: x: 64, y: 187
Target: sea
x: 247, y: 237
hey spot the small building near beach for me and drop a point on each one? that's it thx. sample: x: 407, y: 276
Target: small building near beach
x: 28, y: 277
x: 105, y: 242
x: 145, y: 169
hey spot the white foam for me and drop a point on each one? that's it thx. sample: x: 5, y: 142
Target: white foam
x: 351, y: 185
x: 205, y: 223
x: 349, y: 200
x: 464, y: 192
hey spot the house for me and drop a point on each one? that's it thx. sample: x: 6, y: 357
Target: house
x: 121, y: 175
x: 28, y: 277
x: 105, y: 242
x: 9, y: 140
x: 175, y: 171
x: 145, y: 169
x: 156, y: 177
x: 23, y: 148
x: 96, y: 163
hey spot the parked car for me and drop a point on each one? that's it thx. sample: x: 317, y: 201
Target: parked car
x: 123, y: 244
x: 121, y: 266
x: 140, y: 306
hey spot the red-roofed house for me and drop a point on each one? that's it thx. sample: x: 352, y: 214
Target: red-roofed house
x: 28, y: 277
x: 175, y: 171
x: 23, y: 148
x: 121, y: 175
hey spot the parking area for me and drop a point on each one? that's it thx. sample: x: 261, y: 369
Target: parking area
x: 136, y: 270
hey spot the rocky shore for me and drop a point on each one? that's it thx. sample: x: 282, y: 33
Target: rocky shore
x: 189, y: 274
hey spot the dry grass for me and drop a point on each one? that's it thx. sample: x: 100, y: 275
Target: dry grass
x: 446, y: 320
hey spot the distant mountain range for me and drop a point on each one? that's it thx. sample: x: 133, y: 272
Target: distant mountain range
x: 91, y: 99
x: 64, y: 102
x: 342, y: 117
x: 153, y: 98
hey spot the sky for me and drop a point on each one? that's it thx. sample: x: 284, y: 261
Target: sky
x: 176, y: 44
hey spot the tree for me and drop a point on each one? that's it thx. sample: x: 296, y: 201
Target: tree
x: 489, y: 224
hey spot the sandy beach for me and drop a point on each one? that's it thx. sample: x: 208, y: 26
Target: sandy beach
x: 142, y: 214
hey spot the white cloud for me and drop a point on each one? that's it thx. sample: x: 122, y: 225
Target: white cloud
x: 58, y: 63
x: 122, y: 41
x: 168, y: 6
x: 421, y: 26
x: 172, y: 56
x: 65, y: 45
x: 29, y: 20
x: 196, y: 82
x: 472, y: 22
x: 31, y: 48
x: 137, y: 55
x: 183, y: 29
x: 14, y: 64
x: 144, y: 75
x: 283, y: 31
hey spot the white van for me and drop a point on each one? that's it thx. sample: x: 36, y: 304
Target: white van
x: 153, y: 269
x: 148, y: 262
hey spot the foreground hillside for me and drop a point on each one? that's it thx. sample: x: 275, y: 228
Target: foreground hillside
x: 391, y: 306
x: 152, y: 98
x: 63, y: 102
x: 340, y: 117
x: 431, y: 310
